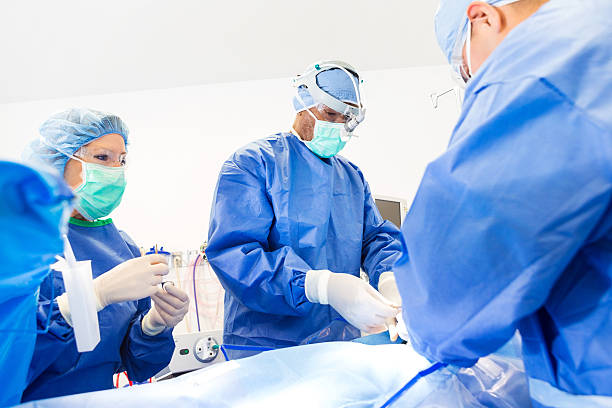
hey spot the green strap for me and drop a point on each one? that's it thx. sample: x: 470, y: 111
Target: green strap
x: 84, y: 223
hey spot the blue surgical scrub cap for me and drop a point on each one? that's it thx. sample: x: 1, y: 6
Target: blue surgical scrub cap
x: 68, y: 131
x: 333, y: 81
x: 451, y: 17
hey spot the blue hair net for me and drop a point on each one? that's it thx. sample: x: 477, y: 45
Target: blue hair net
x: 451, y: 17
x: 66, y: 132
x: 333, y: 81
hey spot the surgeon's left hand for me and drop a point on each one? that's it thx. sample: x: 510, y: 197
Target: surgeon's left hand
x: 388, y: 288
x: 170, y: 305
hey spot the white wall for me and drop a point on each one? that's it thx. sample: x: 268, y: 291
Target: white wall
x: 181, y: 136
x: 53, y: 49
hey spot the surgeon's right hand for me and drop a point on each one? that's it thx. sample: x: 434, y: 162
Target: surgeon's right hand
x: 388, y: 288
x: 357, y: 302
x: 131, y: 280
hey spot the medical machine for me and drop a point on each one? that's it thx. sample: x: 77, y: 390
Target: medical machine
x: 193, y: 351
x: 392, y: 208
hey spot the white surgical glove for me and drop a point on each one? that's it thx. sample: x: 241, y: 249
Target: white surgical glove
x: 64, y: 307
x: 402, y: 330
x: 131, y: 280
x: 170, y: 305
x: 388, y: 288
x: 356, y: 301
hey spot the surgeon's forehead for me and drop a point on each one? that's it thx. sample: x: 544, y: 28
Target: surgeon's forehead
x: 111, y: 143
x: 99, y: 150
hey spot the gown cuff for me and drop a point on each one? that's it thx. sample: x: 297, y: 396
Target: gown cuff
x: 150, y: 328
x: 315, y: 286
x: 64, y: 308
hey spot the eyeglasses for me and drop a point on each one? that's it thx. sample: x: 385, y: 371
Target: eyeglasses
x: 462, y: 70
x: 331, y: 115
x: 102, y: 156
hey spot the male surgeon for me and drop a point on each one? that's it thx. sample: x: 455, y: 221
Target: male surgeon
x: 293, y: 222
x: 512, y: 226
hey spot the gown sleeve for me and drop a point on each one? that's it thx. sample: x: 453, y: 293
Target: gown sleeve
x: 264, y: 279
x: 59, y: 337
x: 498, y: 217
x: 143, y: 356
x: 381, y: 241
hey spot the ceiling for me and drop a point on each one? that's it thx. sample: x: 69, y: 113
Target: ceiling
x: 63, y: 48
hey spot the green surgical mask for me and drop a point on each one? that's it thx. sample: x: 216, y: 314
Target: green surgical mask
x: 327, y: 140
x: 328, y: 137
x: 101, y: 190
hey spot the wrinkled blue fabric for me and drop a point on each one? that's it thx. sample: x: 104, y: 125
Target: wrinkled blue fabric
x: 279, y: 211
x: 451, y: 18
x: 545, y: 395
x: 68, y: 131
x: 336, y: 330
x: 512, y: 226
x: 33, y: 212
x: 57, y: 367
x: 336, y: 374
x: 378, y: 339
x: 334, y: 82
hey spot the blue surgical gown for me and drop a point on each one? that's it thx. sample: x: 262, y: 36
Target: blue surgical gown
x: 511, y: 227
x: 278, y: 211
x: 57, y: 367
x: 33, y: 213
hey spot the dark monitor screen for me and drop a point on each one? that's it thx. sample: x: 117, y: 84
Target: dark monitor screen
x: 390, y: 210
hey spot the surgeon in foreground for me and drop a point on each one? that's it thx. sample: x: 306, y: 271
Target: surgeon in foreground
x: 89, y: 149
x: 293, y: 222
x: 512, y: 226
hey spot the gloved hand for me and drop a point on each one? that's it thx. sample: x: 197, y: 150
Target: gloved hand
x: 64, y: 307
x: 356, y: 301
x: 170, y: 305
x: 131, y: 280
x: 388, y: 288
x: 402, y: 330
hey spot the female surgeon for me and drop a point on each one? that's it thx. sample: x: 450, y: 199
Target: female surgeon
x: 89, y: 148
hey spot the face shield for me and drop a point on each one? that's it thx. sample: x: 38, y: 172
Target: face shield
x: 352, y: 115
x: 328, y: 114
